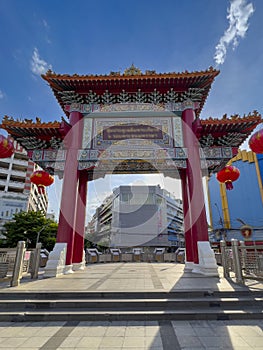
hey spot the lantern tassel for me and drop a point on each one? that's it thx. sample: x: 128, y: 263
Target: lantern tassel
x: 229, y: 185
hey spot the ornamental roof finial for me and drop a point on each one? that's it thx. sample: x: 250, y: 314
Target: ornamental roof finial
x: 49, y: 72
x: 132, y: 71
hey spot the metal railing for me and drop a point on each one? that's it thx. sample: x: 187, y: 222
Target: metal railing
x: 251, y: 260
x: 241, y: 261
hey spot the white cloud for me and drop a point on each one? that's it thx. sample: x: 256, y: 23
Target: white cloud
x: 38, y: 65
x: 1, y: 94
x: 45, y: 24
x: 238, y: 16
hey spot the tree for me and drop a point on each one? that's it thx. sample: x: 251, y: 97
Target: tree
x: 26, y: 226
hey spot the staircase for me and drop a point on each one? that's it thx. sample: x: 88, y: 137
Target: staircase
x: 139, y: 306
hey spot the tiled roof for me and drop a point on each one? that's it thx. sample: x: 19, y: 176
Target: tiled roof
x: 34, y: 134
x: 131, y: 81
x: 228, y: 131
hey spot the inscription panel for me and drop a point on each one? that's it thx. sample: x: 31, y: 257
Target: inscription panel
x: 132, y: 132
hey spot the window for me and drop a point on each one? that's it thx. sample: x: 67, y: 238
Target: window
x: 125, y: 197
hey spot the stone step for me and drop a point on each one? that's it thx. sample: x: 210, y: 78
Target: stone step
x: 110, y: 306
x: 79, y: 295
x: 132, y: 304
x: 84, y: 315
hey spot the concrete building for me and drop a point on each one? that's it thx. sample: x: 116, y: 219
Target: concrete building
x: 17, y: 193
x: 138, y: 216
x: 229, y: 210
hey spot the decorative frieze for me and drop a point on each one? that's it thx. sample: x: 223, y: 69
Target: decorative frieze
x: 87, y: 133
x: 48, y: 155
x: 132, y: 159
x: 116, y: 153
x: 140, y: 102
x: 106, y: 166
x: 177, y: 132
x: 216, y: 153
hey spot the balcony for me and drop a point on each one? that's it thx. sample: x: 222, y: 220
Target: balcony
x: 16, y: 184
x: 2, y: 182
x: 104, y: 228
x: 20, y: 162
x: 18, y: 173
x: 4, y: 170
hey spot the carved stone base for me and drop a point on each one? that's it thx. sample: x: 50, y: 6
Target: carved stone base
x: 68, y: 269
x: 78, y: 266
x: 81, y: 265
x: 207, y: 263
x: 189, y: 265
x: 56, y: 261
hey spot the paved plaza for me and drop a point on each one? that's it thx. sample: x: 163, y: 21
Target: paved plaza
x: 132, y: 277
x: 136, y: 335
x: 139, y: 335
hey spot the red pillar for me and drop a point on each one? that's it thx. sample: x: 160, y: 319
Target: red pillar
x: 187, y: 218
x: 194, y: 177
x: 80, y: 218
x: 69, y: 190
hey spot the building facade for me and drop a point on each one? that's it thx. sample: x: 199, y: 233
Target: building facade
x: 17, y: 193
x: 229, y: 210
x: 138, y: 216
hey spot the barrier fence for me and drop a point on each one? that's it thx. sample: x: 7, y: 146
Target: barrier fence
x: 94, y: 256
x: 18, y: 262
x: 242, y: 261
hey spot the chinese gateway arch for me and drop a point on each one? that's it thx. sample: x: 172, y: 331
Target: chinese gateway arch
x: 133, y: 122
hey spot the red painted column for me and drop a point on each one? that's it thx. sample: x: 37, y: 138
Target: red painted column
x: 69, y: 190
x: 187, y: 218
x: 80, y: 218
x: 194, y: 177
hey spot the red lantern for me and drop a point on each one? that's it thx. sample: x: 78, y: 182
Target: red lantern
x: 256, y: 142
x: 6, y: 147
x: 227, y: 175
x: 41, y: 178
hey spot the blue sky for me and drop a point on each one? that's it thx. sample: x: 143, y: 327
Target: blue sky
x: 96, y: 37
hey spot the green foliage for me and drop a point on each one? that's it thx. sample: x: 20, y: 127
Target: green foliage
x: 87, y: 244
x: 49, y: 243
x: 25, y: 226
x: 2, y: 243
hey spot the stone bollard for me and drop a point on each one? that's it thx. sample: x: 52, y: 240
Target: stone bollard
x: 36, y: 261
x: 224, y: 258
x: 18, y: 267
x: 236, y: 261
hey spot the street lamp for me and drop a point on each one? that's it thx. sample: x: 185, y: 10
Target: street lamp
x: 38, y: 234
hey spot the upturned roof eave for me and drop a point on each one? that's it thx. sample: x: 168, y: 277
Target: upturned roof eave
x: 49, y: 76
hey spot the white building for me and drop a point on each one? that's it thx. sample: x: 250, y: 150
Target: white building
x: 17, y: 193
x: 138, y: 216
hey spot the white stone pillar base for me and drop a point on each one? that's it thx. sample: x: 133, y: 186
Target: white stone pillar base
x: 189, y: 265
x: 77, y: 266
x: 207, y: 263
x: 68, y: 269
x: 81, y: 265
x: 56, y: 261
